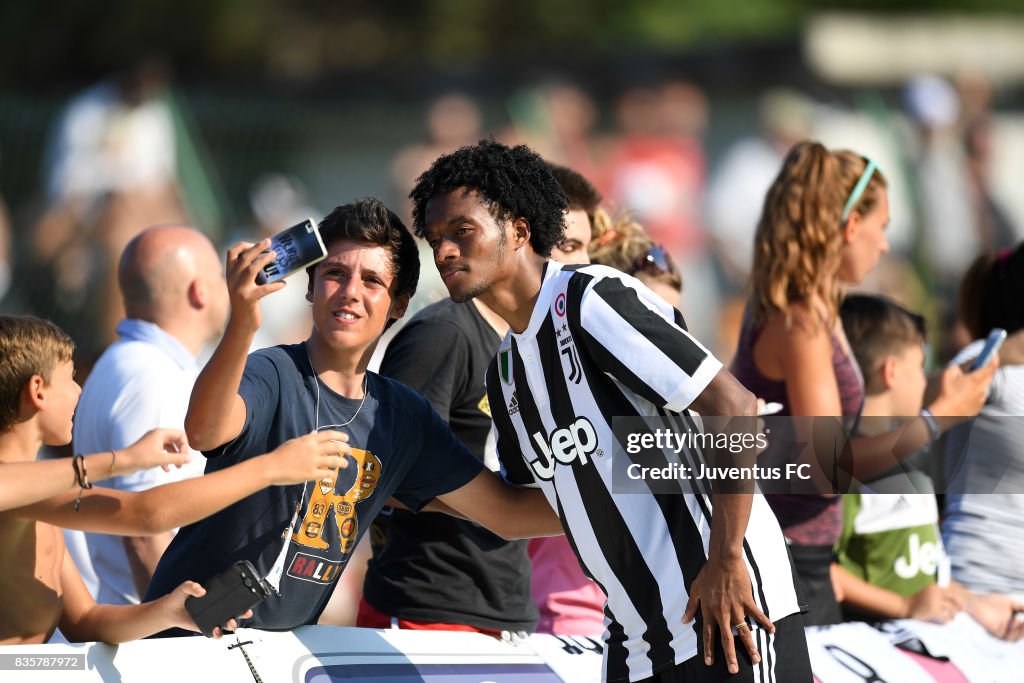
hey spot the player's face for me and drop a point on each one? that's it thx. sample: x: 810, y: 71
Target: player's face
x: 573, y: 247
x: 470, y: 245
x: 61, y: 394
x: 353, y: 295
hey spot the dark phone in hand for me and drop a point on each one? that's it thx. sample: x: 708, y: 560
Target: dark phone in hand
x: 228, y: 595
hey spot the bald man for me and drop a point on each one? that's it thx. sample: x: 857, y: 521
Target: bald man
x: 176, y: 300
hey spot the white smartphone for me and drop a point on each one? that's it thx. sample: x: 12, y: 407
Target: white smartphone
x: 995, y: 339
x: 770, y: 408
x: 297, y: 248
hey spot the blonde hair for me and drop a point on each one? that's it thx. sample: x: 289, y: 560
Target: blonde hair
x: 28, y: 346
x: 799, y: 237
x: 621, y: 243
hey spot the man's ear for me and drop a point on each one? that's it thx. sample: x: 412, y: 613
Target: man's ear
x: 309, y: 288
x: 888, y: 372
x: 197, y: 295
x: 520, y: 233
x: 399, y: 306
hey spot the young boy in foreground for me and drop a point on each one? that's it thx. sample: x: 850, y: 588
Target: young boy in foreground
x: 301, y: 537
x: 43, y: 589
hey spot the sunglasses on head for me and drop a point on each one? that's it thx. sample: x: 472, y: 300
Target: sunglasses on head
x: 655, y: 261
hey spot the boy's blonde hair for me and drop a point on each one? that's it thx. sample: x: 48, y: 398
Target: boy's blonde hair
x: 28, y: 346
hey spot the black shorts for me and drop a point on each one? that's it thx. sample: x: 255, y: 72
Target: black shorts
x: 784, y: 659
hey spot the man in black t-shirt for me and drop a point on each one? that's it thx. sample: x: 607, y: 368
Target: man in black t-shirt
x: 430, y: 570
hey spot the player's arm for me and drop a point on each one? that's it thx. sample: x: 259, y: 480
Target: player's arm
x: 216, y: 412
x: 722, y: 589
x: 643, y: 344
x: 506, y: 510
x: 82, y: 620
x: 173, y: 505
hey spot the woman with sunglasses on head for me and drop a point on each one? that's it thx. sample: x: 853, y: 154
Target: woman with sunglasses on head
x: 625, y: 246
x: 822, y: 228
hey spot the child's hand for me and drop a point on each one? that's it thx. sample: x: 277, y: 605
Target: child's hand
x: 178, y: 616
x: 163, y: 447
x: 935, y: 604
x: 308, y: 457
x: 961, y: 395
x: 998, y: 614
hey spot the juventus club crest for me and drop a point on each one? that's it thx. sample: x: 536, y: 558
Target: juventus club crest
x: 505, y: 366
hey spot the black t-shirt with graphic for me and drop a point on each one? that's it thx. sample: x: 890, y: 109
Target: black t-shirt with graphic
x: 430, y: 566
x: 401, y: 448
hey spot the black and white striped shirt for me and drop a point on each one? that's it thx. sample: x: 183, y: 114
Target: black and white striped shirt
x: 601, y: 345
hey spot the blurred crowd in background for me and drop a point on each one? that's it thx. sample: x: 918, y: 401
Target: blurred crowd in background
x: 132, y: 151
x: 685, y: 140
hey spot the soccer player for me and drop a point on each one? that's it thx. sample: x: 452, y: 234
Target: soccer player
x: 588, y: 343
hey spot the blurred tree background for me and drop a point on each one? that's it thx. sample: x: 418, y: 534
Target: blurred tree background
x: 46, y: 45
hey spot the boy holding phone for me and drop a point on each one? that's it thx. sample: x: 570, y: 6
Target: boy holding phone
x: 892, y: 563
x: 300, y: 538
x: 38, y: 395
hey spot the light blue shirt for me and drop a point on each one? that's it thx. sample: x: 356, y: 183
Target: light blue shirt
x: 143, y: 381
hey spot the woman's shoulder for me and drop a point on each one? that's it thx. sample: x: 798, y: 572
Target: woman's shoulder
x: 801, y: 321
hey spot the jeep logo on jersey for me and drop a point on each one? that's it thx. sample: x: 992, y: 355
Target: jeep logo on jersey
x: 564, y: 445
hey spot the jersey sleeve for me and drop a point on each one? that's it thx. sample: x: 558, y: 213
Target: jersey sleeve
x: 639, y: 339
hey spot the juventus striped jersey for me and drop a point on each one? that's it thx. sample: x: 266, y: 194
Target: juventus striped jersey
x: 600, y: 345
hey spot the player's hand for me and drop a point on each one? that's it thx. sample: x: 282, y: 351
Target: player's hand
x: 178, y: 617
x: 158, y: 447
x: 244, y: 261
x: 308, y: 457
x: 724, y: 595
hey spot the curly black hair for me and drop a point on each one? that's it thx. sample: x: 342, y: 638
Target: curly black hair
x: 515, y: 182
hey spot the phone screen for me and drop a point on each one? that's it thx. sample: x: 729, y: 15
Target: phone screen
x: 298, y: 247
